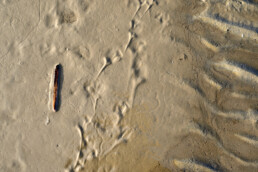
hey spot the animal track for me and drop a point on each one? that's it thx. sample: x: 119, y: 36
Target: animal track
x: 110, y: 58
x: 99, y: 135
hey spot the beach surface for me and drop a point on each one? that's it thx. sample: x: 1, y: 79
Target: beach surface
x: 141, y: 85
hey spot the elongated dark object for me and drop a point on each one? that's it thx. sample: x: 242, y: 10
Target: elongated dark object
x: 56, y: 95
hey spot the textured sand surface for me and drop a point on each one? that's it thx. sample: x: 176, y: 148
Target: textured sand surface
x: 145, y: 85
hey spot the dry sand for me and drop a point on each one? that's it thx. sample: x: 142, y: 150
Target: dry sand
x: 145, y: 86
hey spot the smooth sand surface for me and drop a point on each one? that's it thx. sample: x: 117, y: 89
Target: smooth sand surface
x: 145, y: 85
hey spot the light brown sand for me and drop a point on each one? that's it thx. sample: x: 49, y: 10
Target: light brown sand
x: 147, y: 85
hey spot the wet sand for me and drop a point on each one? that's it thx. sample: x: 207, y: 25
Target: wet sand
x: 145, y: 86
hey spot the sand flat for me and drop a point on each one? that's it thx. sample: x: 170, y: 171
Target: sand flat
x: 145, y: 85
